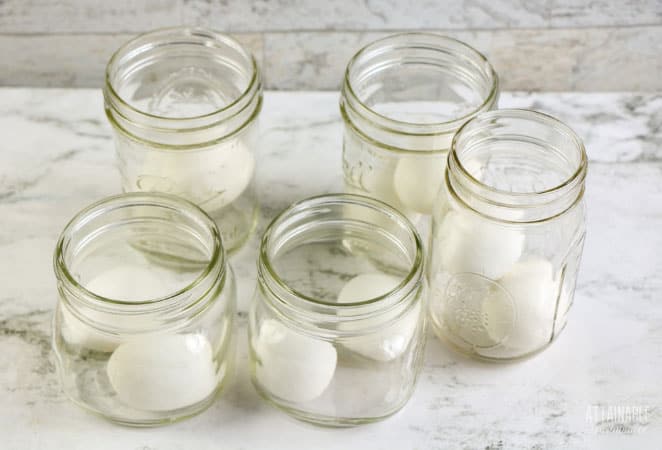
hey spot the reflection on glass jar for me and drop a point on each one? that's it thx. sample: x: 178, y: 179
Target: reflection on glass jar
x: 143, y: 326
x: 402, y: 100
x: 507, y: 234
x: 184, y: 104
x: 337, y: 326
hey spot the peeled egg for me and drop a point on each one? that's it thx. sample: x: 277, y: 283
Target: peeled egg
x: 292, y: 366
x: 388, y: 343
x: 78, y: 333
x: 533, y: 289
x: 377, y: 182
x: 163, y: 372
x: 212, y: 178
x: 417, y: 180
x: 131, y: 282
x: 367, y: 286
x: 472, y: 244
x: 374, y: 178
x: 127, y: 283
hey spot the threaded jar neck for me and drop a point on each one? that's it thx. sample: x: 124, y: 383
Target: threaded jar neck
x: 182, y: 87
x: 517, y: 166
x: 412, y: 91
x: 356, y: 221
x: 141, y: 231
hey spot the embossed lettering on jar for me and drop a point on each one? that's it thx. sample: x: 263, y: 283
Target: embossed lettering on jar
x: 402, y: 100
x: 507, y: 234
x: 184, y: 104
x: 143, y: 326
x: 337, y: 326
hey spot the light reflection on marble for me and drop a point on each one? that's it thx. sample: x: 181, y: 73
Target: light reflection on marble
x: 56, y: 157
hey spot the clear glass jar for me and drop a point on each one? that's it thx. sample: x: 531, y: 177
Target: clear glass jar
x: 337, y: 326
x: 402, y: 100
x: 507, y: 234
x: 143, y: 326
x: 183, y: 103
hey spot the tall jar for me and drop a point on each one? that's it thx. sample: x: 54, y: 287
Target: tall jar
x: 507, y: 234
x: 183, y: 103
x: 402, y: 100
x: 142, y: 330
x: 336, y: 336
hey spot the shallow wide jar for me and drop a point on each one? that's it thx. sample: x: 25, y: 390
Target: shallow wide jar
x: 507, y: 234
x: 337, y: 327
x: 402, y: 100
x: 143, y: 326
x: 183, y: 103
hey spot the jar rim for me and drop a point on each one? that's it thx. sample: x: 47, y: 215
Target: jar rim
x: 410, y: 279
x: 182, y: 32
x: 130, y: 199
x: 430, y: 128
x: 521, y: 114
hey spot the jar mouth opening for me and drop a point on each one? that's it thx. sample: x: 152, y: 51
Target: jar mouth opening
x: 178, y: 35
x: 494, y: 127
x: 444, y: 46
x: 408, y: 283
x: 128, y: 200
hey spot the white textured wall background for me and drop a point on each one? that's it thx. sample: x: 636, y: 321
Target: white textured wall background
x: 585, y: 45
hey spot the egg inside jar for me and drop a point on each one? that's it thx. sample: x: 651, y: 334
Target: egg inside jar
x: 402, y: 100
x: 184, y: 104
x: 143, y: 326
x: 507, y: 235
x: 337, y: 325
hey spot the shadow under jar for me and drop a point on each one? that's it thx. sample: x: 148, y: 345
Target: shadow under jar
x: 335, y: 338
x: 507, y: 235
x: 143, y: 326
x: 183, y: 103
x: 402, y: 100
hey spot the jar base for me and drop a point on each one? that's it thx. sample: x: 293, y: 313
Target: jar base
x: 324, y: 420
x: 448, y: 343
x: 191, y: 411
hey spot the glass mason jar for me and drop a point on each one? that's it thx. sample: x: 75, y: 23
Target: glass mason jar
x: 507, y: 234
x: 402, y: 100
x: 337, y: 326
x: 142, y: 331
x: 183, y: 103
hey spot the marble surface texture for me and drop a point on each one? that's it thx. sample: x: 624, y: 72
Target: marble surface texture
x: 597, y: 387
x: 585, y: 45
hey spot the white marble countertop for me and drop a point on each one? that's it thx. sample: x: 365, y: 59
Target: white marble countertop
x: 597, y: 386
